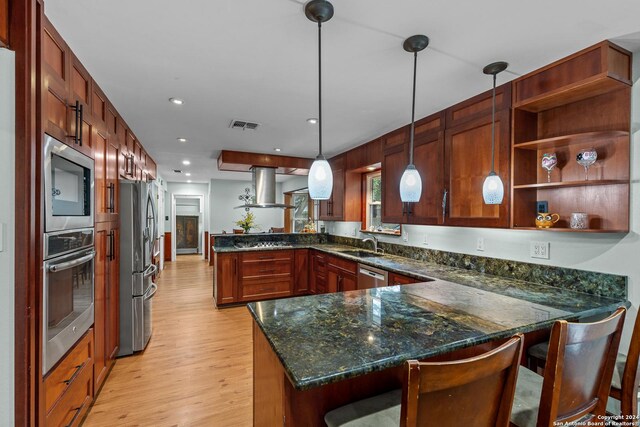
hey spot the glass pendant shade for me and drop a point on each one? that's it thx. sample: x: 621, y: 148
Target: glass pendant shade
x: 492, y: 189
x: 320, y: 180
x: 410, y: 185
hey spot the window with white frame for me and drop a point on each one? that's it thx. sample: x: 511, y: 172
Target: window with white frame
x: 300, y: 214
x: 373, y: 197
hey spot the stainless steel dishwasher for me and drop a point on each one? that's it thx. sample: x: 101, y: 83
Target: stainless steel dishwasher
x: 371, y: 277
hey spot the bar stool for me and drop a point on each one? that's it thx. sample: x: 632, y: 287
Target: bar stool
x: 626, y: 375
x: 477, y: 392
x: 577, y: 376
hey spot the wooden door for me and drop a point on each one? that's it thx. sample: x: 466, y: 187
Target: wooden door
x: 468, y: 159
x: 80, y: 90
x: 394, y: 162
x: 187, y: 232
x: 100, y: 303
x: 100, y: 178
x: 226, y: 265
x: 112, y: 341
x: 337, y: 196
x: 333, y: 280
x: 301, y: 284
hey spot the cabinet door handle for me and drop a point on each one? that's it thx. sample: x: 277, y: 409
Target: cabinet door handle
x: 73, y: 420
x: 409, y: 208
x: 404, y: 208
x: 80, y: 123
x: 76, y: 133
x: 111, y: 255
x: 444, y: 205
x: 75, y: 374
x: 112, y: 190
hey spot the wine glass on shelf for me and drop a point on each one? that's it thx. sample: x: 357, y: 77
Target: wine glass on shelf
x: 586, y: 158
x: 549, y: 161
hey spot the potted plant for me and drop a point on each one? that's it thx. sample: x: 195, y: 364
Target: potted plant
x: 247, y: 222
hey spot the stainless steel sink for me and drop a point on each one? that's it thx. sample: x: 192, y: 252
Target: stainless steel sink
x: 362, y: 254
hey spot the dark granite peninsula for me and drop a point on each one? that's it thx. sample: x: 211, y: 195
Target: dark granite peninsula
x: 316, y: 353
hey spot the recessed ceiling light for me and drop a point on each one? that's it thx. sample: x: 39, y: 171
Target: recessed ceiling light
x: 188, y: 174
x: 177, y: 101
x: 277, y: 150
x: 182, y: 139
x: 189, y: 181
x: 312, y: 121
x: 186, y: 162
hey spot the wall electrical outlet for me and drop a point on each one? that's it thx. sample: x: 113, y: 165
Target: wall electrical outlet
x: 480, y: 244
x: 405, y: 236
x: 354, y: 232
x: 539, y: 249
x: 425, y: 241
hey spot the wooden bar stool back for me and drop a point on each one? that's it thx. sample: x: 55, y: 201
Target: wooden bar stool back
x: 625, y: 387
x: 472, y: 392
x: 577, y: 375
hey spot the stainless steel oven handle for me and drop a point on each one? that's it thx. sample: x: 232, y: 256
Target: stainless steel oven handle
x: 154, y: 289
x: 70, y: 264
x: 153, y: 271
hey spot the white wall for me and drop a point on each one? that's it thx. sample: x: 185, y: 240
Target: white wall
x: 179, y: 188
x: 7, y: 223
x: 224, y: 198
x: 607, y: 253
x: 295, y: 183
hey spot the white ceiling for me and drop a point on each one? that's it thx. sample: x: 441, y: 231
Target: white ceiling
x: 256, y: 60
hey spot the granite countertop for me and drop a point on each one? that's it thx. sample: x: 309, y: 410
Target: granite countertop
x: 331, y: 337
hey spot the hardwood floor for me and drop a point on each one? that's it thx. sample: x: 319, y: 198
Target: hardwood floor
x: 197, y: 368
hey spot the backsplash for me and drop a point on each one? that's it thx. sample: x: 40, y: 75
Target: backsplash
x: 578, y: 280
x: 228, y: 240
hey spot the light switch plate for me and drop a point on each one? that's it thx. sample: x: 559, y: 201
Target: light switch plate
x: 405, y: 236
x: 480, y: 244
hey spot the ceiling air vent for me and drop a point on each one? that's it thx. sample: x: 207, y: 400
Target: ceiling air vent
x: 243, y: 125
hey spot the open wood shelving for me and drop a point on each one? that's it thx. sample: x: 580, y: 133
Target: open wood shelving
x: 582, y: 101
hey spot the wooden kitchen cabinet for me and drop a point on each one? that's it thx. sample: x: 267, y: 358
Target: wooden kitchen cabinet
x: 345, y: 202
x: 302, y: 272
x: 106, y: 300
x: 265, y: 274
x: 68, y: 388
x: 341, y: 275
x: 582, y: 101
x: 4, y: 23
x: 394, y: 161
x: 399, y: 279
x: 467, y: 159
x: 107, y: 195
x: 225, y: 278
x: 318, y: 278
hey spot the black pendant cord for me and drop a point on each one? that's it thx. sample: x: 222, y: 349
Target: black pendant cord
x: 413, y: 107
x: 493, y: 126
x: 319, y: 89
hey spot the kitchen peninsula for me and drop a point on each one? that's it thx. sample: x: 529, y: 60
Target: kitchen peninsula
x: 314, y: 354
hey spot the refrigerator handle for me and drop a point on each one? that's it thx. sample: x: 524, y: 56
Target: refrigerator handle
x: 153, y: 289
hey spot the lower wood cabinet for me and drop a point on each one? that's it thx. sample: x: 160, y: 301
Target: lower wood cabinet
x: 106, y: 300
x: 225, y: 279
x: 69, y: 386
x: 341, y: 275
x: 318, y: 272
x: 302, y: 272
x: 398, y: 279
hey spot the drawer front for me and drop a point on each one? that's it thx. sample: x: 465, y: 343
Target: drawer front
x: 71, y: 408
x: 278, y: 267
x: 321, y: 284
x: 398, y: 279
x: 269, y: 256
x: 68, y: 370
x: 343, y: 264
x: 251, y: 290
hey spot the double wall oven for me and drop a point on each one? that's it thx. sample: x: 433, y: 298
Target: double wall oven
x: 68, y: 268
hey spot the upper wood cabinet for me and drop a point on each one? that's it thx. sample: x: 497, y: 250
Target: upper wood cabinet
x: 428, y: 154
x: 364, y: 155
x: 77, y: 112
x: 107, y: 188
x: 467, y: 159
x: 4, y: 22
x: 346, y: 198
x: 582, y: 101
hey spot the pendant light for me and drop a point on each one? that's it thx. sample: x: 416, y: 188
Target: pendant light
x: 411, y: 183
x: 320, y: 181
x: 493, y: 188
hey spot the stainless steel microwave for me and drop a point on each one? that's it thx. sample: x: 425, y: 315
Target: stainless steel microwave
x: 68, y: 187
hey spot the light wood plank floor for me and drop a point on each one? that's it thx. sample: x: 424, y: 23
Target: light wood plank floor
x: 197, y: 368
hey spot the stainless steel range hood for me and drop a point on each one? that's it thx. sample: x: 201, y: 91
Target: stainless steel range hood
x: 264, y: 188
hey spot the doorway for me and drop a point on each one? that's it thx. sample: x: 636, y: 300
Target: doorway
x: 187, y: 215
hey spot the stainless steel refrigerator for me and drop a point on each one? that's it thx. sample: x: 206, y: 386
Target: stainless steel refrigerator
x: 138, y: 228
